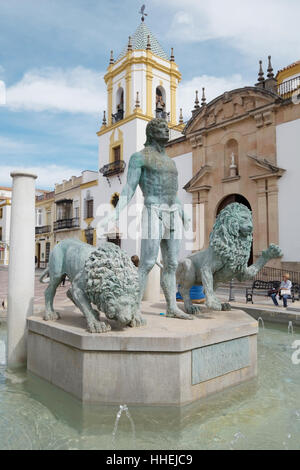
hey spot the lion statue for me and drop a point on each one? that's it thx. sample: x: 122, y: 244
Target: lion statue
x: 226, y: 258
x: 104, y: 277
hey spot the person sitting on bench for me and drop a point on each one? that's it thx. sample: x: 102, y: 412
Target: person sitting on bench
x: 284, y: 291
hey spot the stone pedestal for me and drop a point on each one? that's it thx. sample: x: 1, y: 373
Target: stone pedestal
x: 152, y: 291
x: 167, y: 362
x: 21, y: 266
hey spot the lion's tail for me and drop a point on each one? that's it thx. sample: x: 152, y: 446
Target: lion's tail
x: 45, y: 273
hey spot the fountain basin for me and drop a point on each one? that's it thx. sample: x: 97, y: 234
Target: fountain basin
x: 167, y: 362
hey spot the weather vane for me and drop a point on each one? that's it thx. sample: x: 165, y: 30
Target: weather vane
x: 142, y: 12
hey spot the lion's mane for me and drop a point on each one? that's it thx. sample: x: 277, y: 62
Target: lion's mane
x: 226, y: 240
x: 110, y: 275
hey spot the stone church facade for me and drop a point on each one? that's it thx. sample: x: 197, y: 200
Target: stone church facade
x: 233, y: 145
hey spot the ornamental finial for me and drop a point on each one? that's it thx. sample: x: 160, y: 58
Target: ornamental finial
x: 172, y: 58
x: 104, y: 119
x: 137, y: 101
x: 203, y: 100
x: 129, y: 47
x: 148, y: 48
x: 142, y: 12
x: 180, y: 117
x: 261, y: 77
x: 196, y: 101
x: 111, y: 61
x: 270, y: 68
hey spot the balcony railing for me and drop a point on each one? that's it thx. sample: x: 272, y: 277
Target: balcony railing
x: 43, y: 229
x: 66, y: 223
x: 288, y: 88
x: 114, y: 168
x: 162, y: 115
x: 118, y: 116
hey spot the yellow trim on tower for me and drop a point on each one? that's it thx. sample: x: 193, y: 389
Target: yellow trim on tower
x: 131, y: 60
x: 95, y: 238
x: 128, y: 79
x: 149, y: 80
x: 109, y: 101
x: 140, y: 115
x: 116, y: 143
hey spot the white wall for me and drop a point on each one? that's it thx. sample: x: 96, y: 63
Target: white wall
x: 184, y: 164
x: 288, y: 157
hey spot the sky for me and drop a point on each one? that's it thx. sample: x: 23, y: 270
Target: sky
x: 54, y: 54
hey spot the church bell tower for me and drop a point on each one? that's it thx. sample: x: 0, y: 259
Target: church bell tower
x: 141, y: 84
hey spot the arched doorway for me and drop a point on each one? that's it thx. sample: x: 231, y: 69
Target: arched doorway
x: 241, y: 200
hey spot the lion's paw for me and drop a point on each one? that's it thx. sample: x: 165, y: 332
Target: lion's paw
x: 137, y: 321
x: 51, y: 316
x: 226, y: 307
x: 193, y: 310
x: 98, y: 327
x: 214, y: 304
x: 177, y: 313
x: 274, y: 251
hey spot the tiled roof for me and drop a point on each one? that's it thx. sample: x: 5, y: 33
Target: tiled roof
x: 139, y: 41
x: 289, y: 66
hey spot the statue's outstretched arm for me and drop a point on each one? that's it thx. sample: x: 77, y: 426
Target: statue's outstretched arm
x: 133, y: 178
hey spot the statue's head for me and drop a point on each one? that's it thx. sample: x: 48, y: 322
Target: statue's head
x: 157, y: 130
x: 231, y: 237
x: 122, y: 309
x: 113, y: 283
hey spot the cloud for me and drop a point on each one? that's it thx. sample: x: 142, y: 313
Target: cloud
x: 10, y: 147
x: 251, y: 26
x: 77, y: 90
x: 47, y: 175
x: 214, y: 86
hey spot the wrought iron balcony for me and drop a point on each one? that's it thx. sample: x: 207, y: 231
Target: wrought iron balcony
x: 162, y: 114
x: 114, y: 168
x: 288, y: 88
x: 118, y: 116
x: 66, y: 223
x: 43, y: 229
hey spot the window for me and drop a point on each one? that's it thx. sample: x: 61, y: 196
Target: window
x: 0, y: 234
x: 117, y: 153
x: 48, y: 217
x: 39, y: 218
x: 1, y: 212
x: 47, y: 252
x: 90, y: 208
x: 76, y: 210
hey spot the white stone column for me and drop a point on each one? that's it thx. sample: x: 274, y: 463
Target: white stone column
x: 152, y: 291
x: 21, y: 266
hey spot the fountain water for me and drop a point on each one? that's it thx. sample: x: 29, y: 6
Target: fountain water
x: 290, y: 328
x: 260, y: 321
x: 119, y: 414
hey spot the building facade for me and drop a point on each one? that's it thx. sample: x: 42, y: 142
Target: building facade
x: 244, y: 148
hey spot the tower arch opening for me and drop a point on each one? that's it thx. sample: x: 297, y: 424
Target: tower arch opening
x: 160, y: 100
x: 119, y: 114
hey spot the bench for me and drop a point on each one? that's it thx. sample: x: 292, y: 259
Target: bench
x: 264, y: 287
x: 295, y: 292
x: 260, y: 288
